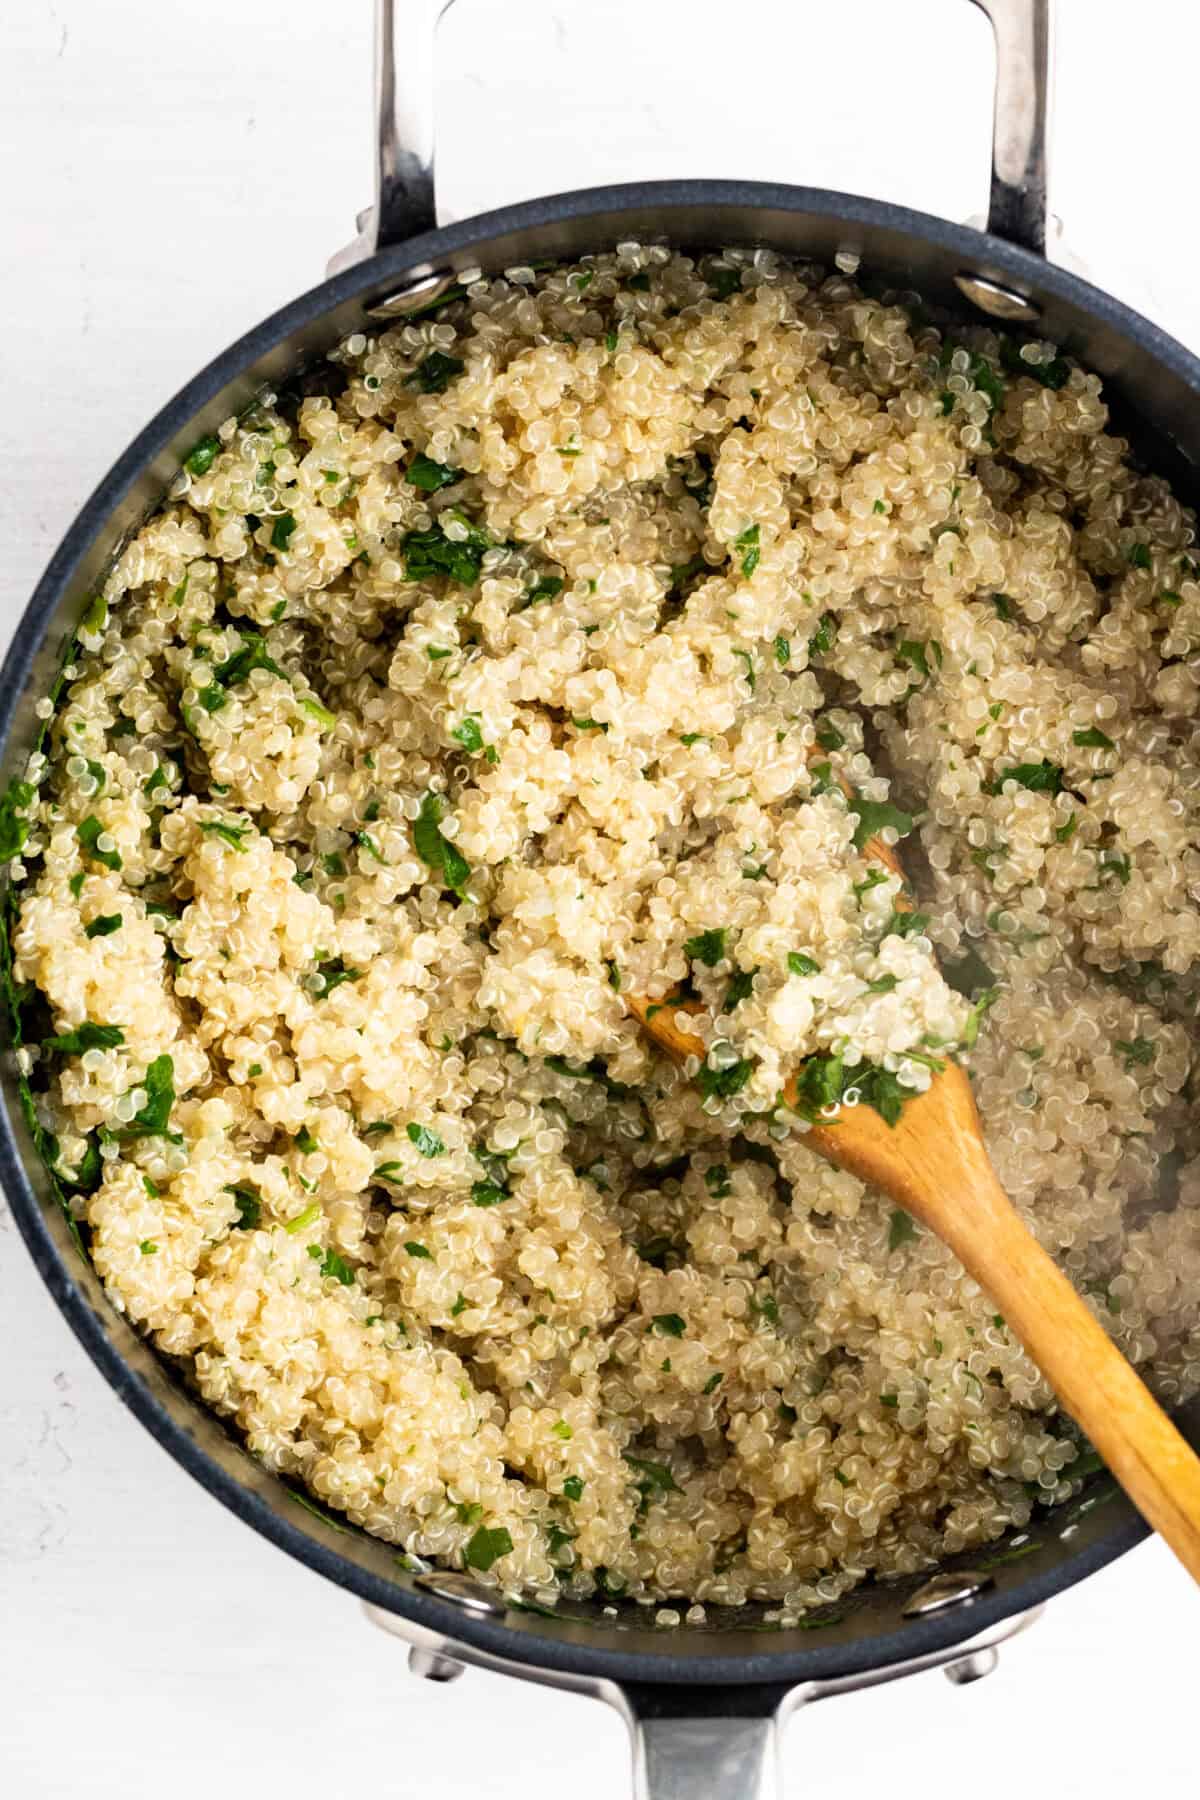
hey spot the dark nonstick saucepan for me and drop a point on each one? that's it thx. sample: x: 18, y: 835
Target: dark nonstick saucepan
x: 703, y: 1701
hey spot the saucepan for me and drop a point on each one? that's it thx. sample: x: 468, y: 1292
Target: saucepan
x: 703, y: 1702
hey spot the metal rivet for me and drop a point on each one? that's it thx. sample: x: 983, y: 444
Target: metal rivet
x: 421, y: 289
x: 972, y: 1668
x: 431, y: 1665
x: 947, y: 1590
x: 448, y: 1584
x: 996, y: 301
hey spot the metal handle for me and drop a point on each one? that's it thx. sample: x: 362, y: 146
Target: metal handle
x: 719, y: 1758
x: 406, y: 195
x: 1023, y: 31
x: 405, y: 200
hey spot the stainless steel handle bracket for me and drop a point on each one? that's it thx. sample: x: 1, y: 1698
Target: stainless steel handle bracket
x: 720, y: 1743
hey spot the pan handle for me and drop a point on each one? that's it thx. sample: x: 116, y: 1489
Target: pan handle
x: 406, y: 195
x: 682, y: 1749
x: 1024, y: 35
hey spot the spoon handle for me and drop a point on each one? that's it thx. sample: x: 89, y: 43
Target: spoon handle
x: 934, y: 1163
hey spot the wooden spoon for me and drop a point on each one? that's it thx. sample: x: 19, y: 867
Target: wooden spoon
x: 933, y: 1162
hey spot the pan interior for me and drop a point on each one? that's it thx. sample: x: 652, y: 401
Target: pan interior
x: 1085, y: 1530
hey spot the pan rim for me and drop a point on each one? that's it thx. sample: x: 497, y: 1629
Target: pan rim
x: 528, y: 1645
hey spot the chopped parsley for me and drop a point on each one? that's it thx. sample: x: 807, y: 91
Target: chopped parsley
x: 233, y: 835
x: 829, y: 737
x: 656, y: 1477
x: 901, y: 1230
x: 430, y: 476
x: 1092, y: 739
x: 305, y: 1142
x: 282, y: 530
x: 251, y: 654
x: 722, y: 1084
x: 1138, y: 1052
x: 418, y: 1250
x: 669, y: 1325
x: 434, y: 373
x: 436, y: 849
x: 783, y: 655
x: 104, y: 926
x: 800, y: 964
x: 1139, y: 556
x: 332, y: 1265
x: 716, y: 1180
x: 486, y: 1547
x: 573, y: 1487
x: 431, y: 555
x: 155, y: 1116
x: 249, y: 1205
x: 707, y: 947
x: 427, y: 1142
x: 89, y: 833
x: 334, y: 972
x: 85, y: 1037
x: 740, y: 988
x: 748, y: 543
x: 822, y: 639
x: 1039, y: 777
x: 201, y: 456
x: 875, y: 816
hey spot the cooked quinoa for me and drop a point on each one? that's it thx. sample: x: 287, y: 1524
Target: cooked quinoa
x: 566, y: 645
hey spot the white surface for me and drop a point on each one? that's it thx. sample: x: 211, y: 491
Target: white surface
x: 168, y: 174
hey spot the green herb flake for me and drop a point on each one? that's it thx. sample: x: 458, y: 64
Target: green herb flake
x: 89, y: 834
x: 85, y: 1037
x: 669, y: 1325
x: 418, y: 1250
x: 707, y: 947
x: 1092, y: 739
x: 200, y: 458
x: 822, y: 639
x: 1040, y: 778
x: 427, y: 1142
x: 430, y: 476
x: 431, y: 555
x: 573, y: 1487
x: 875, y: 816
x: 155, y: 1116
x: 783, y: 656
x: 233, y: 835
x: 740, y: 988
x: 249, y: 1205
x: 104, y: 926
x: 434, y: 373
x: 656, y: 1477
x: 486, y: 1547
x: 801, y: 964
x: 332, y: 1265
x: 748, y: 543
x: 468, y: 734
x: 1139, y: 556
x: 722, y: 1084
x: 1138, y: 1052
x: 436, y: 850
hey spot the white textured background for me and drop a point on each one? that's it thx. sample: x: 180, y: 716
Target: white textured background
x: 168, y: 174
